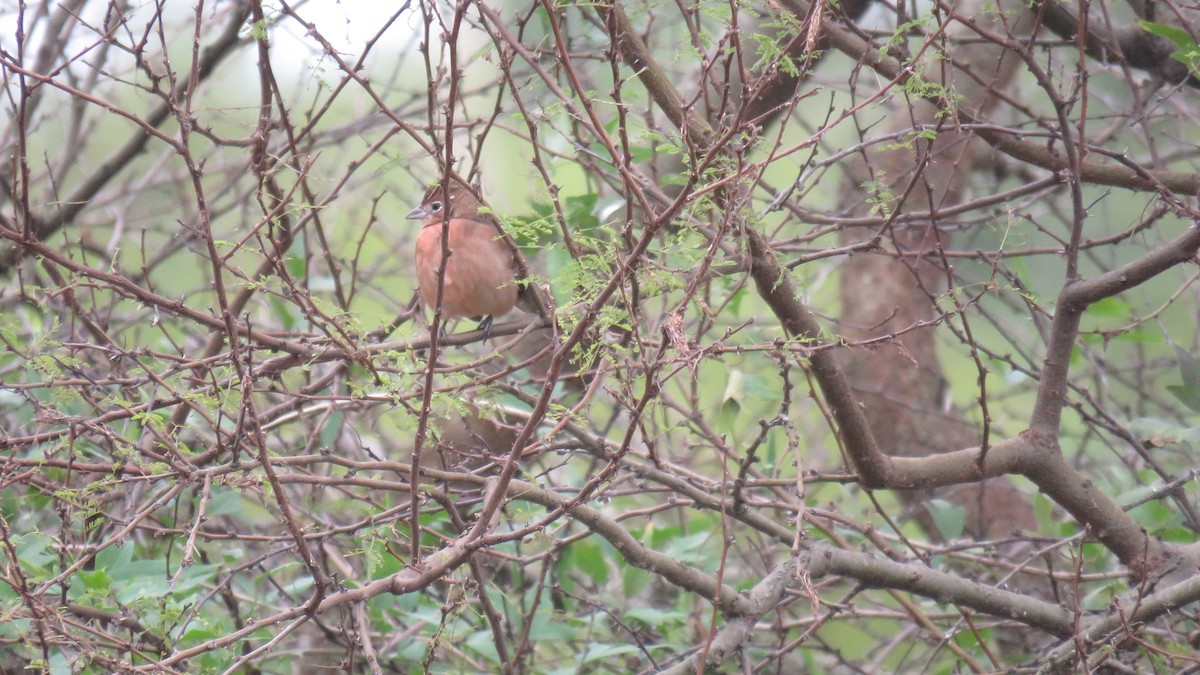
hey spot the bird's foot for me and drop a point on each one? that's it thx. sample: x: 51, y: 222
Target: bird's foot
x: 486, y: 327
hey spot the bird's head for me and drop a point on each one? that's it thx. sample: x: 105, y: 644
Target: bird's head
x: 455, y: 201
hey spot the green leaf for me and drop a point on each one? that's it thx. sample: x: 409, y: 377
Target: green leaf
x: 735, y: 302
x: 1177, y: 535
x: 1160, y: 433
x: 1111, y: 307
x: 653, y: 618
x: 586, y: 557
x: 481, y: 643
x: 1100, y: 599
x: 1189, y: 367
x: 36, y: 553
x: 603, y: 651
x: 949, y: 518
x: 531, y: 234
x: 1189, y: 396
x: 96, y: 580
x: 140, y: 581
x: 60, y: 664
x: 114, y: 557
x: 580, y: 212
x: 1178, y: 36
x: 1188, y: 52
x: 690, y: 548
x: 970, y: 639
x: 297, y: 261
x: 634, y: 581
x: 258, y: 30
x: 282, y: 311
x: 331, y: 430
x: 731, y: 401
x: 380, y: 561
x: 195, y: 636
x: 551, y: 627
x: 225, y: 502
x: 1140, y: 336
x: 1189, y: 371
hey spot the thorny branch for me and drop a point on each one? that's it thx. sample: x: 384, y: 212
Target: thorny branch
x: 228, y: 432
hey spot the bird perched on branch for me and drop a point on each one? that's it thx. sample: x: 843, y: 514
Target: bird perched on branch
x: 480, y: 279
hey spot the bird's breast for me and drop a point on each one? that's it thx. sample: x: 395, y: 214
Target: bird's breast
x: 478, y: 280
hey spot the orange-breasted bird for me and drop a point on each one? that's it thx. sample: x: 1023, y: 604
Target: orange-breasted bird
x: 481, y: 271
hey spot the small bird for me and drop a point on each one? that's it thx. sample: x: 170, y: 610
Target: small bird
x: 481, y: 271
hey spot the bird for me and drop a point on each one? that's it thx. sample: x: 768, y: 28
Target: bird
x: 480, y: 279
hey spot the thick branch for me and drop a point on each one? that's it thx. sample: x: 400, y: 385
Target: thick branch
x: 653, y: 77
x: 776, y: 288
x: 1145, y: 611
x: 1130, y: 45
x: 945, y: 588
x: 739, y: 630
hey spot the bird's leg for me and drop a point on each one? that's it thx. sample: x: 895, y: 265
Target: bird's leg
x: 486, y: 327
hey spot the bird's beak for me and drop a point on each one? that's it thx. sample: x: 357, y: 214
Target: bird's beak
x: 417, y: 214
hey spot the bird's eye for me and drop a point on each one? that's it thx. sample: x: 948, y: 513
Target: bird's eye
x: 435, y: 207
